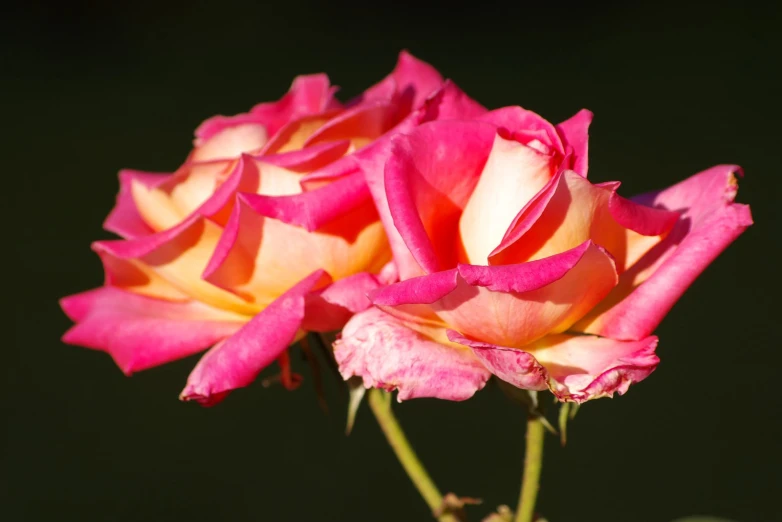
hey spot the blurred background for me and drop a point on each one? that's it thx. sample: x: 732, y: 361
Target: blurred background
x: 89, y: 87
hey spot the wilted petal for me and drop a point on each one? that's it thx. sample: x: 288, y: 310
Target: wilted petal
x: 388, y: 354
x: 140, y: 332
x: 709, y: 222
x: 575, y: 368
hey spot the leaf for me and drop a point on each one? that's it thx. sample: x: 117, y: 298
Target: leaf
x: 357, y: 391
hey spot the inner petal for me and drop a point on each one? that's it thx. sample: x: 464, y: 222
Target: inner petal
x: 513, y: 174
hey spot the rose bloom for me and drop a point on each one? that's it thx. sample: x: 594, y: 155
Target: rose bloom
x: 513, y: 264
x: 265, y: 232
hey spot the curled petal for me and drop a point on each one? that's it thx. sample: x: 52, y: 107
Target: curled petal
x: 575, y: 137
x: 125, y: 219
x: 451, y: 103
x: 166, y: 204
x: 238, y: 360
x: 709, y: 222
x: 410, y: 83
x: 140, y: 332
x: 312, y: 210
x: 309, y: 94
x: 526, y: 126
x: 386, y: 353
x: 575, y: 368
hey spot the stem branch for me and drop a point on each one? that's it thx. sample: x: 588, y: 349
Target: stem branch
x: 533, y: 463
x: 380, y: 403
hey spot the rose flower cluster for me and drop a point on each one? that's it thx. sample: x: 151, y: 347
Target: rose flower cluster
x: 446, y: 242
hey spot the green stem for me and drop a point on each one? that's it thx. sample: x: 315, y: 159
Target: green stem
x: 380, y: 403
x: 533, y: 463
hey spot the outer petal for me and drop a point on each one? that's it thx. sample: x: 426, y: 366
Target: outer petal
x: 570, y: 210
x: 575, y: 136
x: 236, y: 362
x: 575, y: 368
x: 710, y: 222
x: 140, y: 332
x: 387, y: 354
x: 428, y: 180
x: 125, y: 219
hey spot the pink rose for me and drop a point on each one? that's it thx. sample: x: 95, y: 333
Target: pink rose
x: 265, y: 232
x: 513, y: 264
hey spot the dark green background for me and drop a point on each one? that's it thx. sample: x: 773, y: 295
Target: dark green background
x: 91, y: 87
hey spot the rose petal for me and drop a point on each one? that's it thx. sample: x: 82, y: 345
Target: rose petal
x: 309, y: 94
x: 388, y: 354
x: 179, y: 255
x: 570, y: 210
x: 524, y: 126
x: 428, y: 180
x: 513, y: 174
x: 410, y: 83
x: 516, y: 304
x: 125, y: 219
x: 372, y: 160
x: 258, y: 257
x: 166, y: 204
x: 237, y: 361
x: 140, y: 332
x: 575, y: 136
x: 709, y: 222
x: 330, y: 308
x: 312, y: 210
x: 509, y: 305
x: 230, y: 142
x: 576, y: 368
